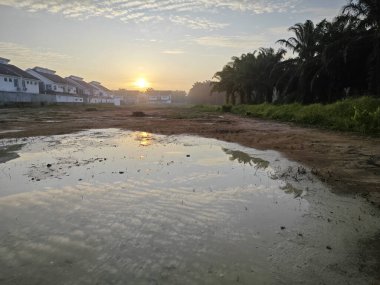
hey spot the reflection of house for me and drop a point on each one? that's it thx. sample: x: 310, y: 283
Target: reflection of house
x: 159, y: 97
x: 14, y: 79
x: 51, y: 82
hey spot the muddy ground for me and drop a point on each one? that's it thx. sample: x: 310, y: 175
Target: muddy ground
x: 347, y: 162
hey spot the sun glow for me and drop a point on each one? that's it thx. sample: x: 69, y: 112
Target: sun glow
x: 142, y: 83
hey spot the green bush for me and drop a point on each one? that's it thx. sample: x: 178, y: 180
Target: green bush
x: 226, y: 108
x: 359, y: 115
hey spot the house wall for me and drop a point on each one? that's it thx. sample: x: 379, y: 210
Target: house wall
x: 79, y: 89
x: 116, y: 101
x: 60, y: 88
x: 17, y: 84
x: 71, y: 89
x: 52, y: 86
x: 45, y: 82
x: 157, y: 99
x: 8, y: 98
x: 102, y: 100
x: 68, y: 99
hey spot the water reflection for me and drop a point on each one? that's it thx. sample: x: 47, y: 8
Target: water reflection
x: 145, y: 139
x: 97, y: 208
x: 245, y: 158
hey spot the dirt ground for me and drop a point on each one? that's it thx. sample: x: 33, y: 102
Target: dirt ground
x: 350, y: 163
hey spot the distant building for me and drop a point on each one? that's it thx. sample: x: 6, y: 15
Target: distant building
x: 52, y: 83
x: 100, y: 90
x: 83, y: 88
x: 159, y: 96
x: 14, y: 79
x: 130, y: 97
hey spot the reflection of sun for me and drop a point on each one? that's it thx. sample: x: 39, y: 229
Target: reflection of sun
x: 144, y: 138
x: 142, y: 83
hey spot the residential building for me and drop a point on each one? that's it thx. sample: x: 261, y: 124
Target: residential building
x: 14, y: 79
x: 130, y: 97
x: 159, y: 96
x: 83, y: 88
x: 100, y: 90
x: 51, y: 83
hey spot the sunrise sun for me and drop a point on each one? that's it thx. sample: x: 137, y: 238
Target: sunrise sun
x: 142, y: 83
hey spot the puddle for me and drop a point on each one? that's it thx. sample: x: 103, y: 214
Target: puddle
x: 9, y: 152
x: 116, y: 207
x: 9, y: 131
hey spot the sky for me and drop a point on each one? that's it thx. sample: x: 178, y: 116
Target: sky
x: 170, y: 43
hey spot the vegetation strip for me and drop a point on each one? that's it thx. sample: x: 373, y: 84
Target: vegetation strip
x: 358, y: 115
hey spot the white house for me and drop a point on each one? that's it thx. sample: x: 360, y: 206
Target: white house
x: 83, y: 88
x: 100, y: 90
x: 103, y: 95
x: 14, y: 79
x: 159, y: 96
x: 51, y: 82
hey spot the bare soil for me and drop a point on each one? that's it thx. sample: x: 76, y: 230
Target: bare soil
x: 349, y: 163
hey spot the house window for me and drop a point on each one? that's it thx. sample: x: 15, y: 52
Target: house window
x: 5, y: 79
x: 10, y: 79
x: 55, y: 87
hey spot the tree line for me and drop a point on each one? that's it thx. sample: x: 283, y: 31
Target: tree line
x: 332, y: 60
x: 201, y: 93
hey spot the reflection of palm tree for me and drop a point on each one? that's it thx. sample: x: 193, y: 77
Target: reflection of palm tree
x: 245, y: 158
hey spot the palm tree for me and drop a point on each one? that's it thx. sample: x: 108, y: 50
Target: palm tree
x: 226, y: 83
x: 367, y: 12
x: 301, y: 70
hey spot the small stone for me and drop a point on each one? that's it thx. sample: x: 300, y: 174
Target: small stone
x: 283, y: 228
x: 329, y: 247
x: 188, y: 155
x: 48, y: 165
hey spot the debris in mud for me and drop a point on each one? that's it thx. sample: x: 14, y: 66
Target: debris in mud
x: 301, y: 170
x: 138, y: 114
x: 328, y: 247
x: 188, y: 155
x: 48, y: 165
x: 283, y: 228
x: 290, y: 189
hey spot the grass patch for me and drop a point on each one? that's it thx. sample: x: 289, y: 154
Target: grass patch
x: 206, y: 108
x: 358, y: 115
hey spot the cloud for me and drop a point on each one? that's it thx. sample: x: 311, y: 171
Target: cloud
x: 138, y: 11
x: 236, y: 42
x: 28, y: 57
x: 319, y: 13
x: 173, y: 52
x: 197, y: 23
